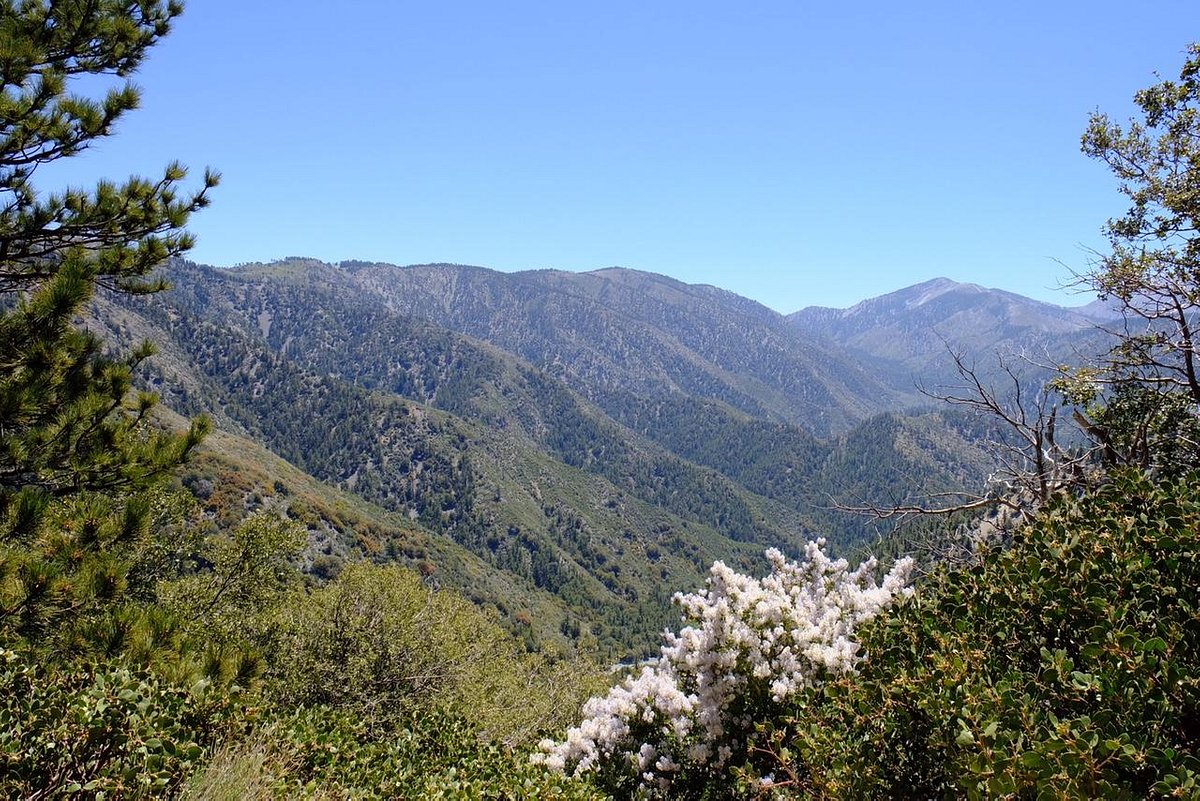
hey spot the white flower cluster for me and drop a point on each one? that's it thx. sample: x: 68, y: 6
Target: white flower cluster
x: 752, y: 643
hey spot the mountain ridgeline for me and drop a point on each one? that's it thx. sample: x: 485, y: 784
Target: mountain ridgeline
x: 910, y: 334
x: 571, y: 448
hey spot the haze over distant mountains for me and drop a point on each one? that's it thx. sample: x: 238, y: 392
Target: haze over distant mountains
x: 833, y: 367
x: 908, y: 333
x: 581, y: 444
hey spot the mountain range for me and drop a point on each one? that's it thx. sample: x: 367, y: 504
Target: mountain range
x: 910, y: 334
x: 567, y: 448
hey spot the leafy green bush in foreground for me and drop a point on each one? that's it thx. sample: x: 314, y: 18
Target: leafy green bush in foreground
x: 320, y: 752
x: 1066, y: 666
x: 105, y: 730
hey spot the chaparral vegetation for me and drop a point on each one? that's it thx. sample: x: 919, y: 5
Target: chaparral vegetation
x: 167, y: 632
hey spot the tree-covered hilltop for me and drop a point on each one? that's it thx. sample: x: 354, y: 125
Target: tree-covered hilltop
x: 643, y: 334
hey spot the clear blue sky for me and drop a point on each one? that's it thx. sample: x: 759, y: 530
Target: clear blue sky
x: 794, y: 152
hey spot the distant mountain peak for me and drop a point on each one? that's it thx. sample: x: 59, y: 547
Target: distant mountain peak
x: 912, y: 328
x: 927, y: 291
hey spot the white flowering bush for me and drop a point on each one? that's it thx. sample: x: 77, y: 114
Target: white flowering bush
x: 751, y: 644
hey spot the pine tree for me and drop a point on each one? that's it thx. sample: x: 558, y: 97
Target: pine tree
x: 77, y: 445
x: 1146, y: 393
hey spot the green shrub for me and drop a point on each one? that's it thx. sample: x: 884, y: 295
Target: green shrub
x: 246, y: 573
x: 425, y: 754
x: 380, y: 642
x: 1065, y: 666
x: 108, y: 730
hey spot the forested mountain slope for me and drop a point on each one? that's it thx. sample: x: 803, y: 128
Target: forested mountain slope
x: 616, y: 332
x: 600, y: 438
x: 608, y: 497
x: 601, y: 535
